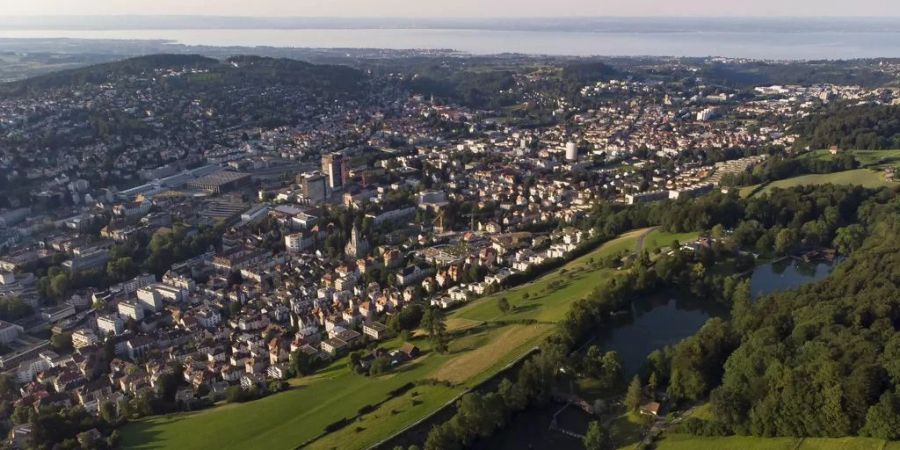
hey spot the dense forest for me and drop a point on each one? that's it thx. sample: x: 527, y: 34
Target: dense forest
x: 760, y: 73
x: 822, y: 360
x: 869, y: 127
x: 234, y: 71
x: 481, y: 88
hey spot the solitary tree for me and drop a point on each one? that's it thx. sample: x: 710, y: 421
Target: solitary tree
x: 596, y: 437
x: 433, y: 324
x: 503, y: 305
x: 652, y: 384
x: 634, y: 394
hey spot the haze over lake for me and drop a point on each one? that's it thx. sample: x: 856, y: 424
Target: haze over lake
x: 739, y: 38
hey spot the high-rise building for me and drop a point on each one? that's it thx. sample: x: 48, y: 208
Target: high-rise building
x: 334, y: 167
x: 571, y: 151
x: 313, y: 186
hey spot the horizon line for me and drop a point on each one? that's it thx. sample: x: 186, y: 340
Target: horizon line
x: 451, y: 17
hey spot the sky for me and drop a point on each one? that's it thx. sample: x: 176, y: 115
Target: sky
x: 455, y: 8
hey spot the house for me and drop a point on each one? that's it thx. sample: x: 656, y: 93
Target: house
x: 277, y: 371
x: 650, y: 409
x: 410, y: 350
x: 413, y: 274
x: 20, y: 436
x: 333, y: 346
x: 375, y: 330
x: 250, y: 380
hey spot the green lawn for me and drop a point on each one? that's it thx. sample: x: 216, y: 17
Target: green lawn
x: 659, y: 239
x: 848, y: 443
x: 865, y: 177
x: 687, y: 442
x: 485, y: 340
x: 874, y: 158
x: 287, y: 419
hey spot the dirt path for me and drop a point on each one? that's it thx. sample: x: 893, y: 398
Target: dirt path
x: 639, y: 245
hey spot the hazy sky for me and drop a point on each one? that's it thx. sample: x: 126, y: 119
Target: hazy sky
x: 456, y: 8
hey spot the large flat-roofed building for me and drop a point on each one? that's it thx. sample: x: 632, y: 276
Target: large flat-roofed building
x: 313, y: 186
x: 110, y: 324
x: 131, y: 310
x: 219, y: 182
x: 9, y: 332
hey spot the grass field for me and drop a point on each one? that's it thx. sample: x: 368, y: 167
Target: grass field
x: 687, y: 442
x: 869, y: 159
x: 659, y: 239
x: 864, y: 177
x: 866, y: 158
x: 485, y: 340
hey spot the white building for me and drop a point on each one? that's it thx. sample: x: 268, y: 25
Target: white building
x: 110, y: 324
x: 131, y: 310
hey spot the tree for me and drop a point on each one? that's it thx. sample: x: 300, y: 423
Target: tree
x: 301, y: 363
x: 407, y: 319
x: 634, y: 394
x: 442, y: 437
x: 121, y: 269
x: 379, y: 366
x: 503, y: 305
x: 785, y: 241
x: 433, y: 322
x: 849, y: 238
x: 13, y: 308
x: 108, y: 412
x: 61, y: 342
x: 596, y: 437
x: 652, y: 384
x: 883, y: 418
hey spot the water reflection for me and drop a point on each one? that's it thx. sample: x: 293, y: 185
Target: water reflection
x: 787, y: 274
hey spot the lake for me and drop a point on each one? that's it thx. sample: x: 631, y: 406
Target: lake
x: 784, y: 42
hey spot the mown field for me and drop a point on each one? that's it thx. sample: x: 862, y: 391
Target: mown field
x: 675, y: 441
x: 866, y: 158
x: 687, y: 442
x: 484, y: 341
x: 864, y: 177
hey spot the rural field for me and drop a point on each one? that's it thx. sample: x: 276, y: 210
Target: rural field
x: 864, y: 177
x: 675, y: 441
x: 484, y: 341
x: 872, y: 161
x: 866, y: 158
x: 687, y: 442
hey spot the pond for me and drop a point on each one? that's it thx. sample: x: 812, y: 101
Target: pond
x: 660, y: 320
x: 787, y: 274
x: 655, y: 322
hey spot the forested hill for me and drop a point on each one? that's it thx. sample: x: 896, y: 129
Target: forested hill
x: 100, y: 73
x: 871, y: 127
x: 204, y: 73
x: 823, y: 360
